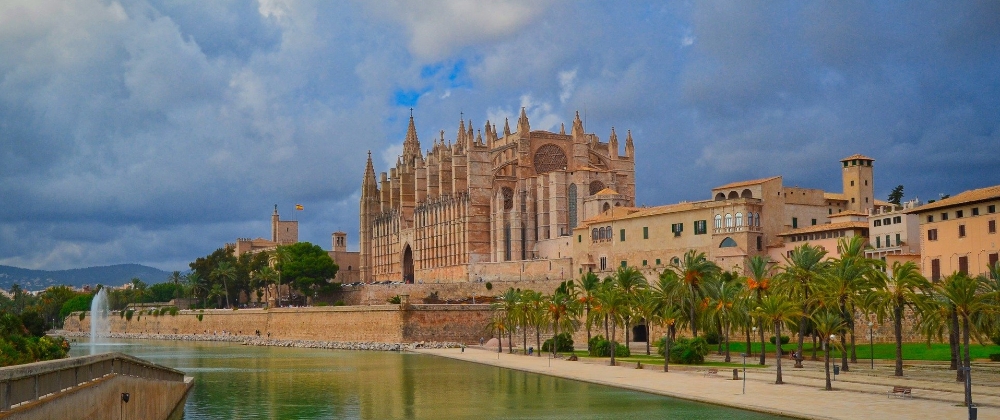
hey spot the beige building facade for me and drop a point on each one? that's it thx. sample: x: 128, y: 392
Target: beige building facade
x: 740, y: 220
x: 959, y: 233
x: 491, y: 204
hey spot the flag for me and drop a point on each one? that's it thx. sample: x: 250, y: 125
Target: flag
x: 298, y: 207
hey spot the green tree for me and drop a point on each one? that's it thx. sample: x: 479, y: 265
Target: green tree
x: 973, y: 301
x: 759, y: 284
x: 827, y: 324
x: 588, y: 285
x: 693, y: 269
x: 725, y: 297
x: 224, y: 272
x: 630, y: 280
x: 308, y: 268
x: 563, y: 308
x: 613, y: 304
x: 50, y: 302
x: 80, y: 302
x: 896, y: 196
x: 802, y: 269
x: 647, y: 305
x: 841, y: 284
x: 175, y: 279
x: 776, y: 310
x: 893, y: 294
x: 670, y: 315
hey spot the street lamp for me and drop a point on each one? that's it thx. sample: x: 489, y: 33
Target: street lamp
x: 754, y: 329
x: 744, y: 372
x: 871, y: 342
x: 836, y: 368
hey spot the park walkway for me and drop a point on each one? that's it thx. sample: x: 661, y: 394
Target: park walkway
x: 856, y: 394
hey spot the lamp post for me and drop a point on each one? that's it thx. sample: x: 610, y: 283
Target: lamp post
x: 744, y: 372
x: 836, y: 368
x: 754, y: 329
x: 871, y: 342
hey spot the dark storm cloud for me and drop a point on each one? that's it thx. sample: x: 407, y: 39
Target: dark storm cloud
x: 155, y: 131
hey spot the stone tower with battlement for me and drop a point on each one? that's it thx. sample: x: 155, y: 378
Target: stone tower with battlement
x: 486, y: 203
x: 859, y: 182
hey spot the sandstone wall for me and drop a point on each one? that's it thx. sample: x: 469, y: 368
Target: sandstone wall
x: 381, y: 323
x: 378, y: 294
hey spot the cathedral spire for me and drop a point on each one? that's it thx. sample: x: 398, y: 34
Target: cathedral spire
x: 411, y: 146
x: 523, y: 127
x: 577, y: 129
x: 562, y: 128
x: 629, y: 147
x: 461, y: 138
x: 368, y: 183
x: 613, y: 144
x: 506, y: 127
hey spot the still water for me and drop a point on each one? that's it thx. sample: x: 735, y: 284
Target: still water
x: 246, y: 382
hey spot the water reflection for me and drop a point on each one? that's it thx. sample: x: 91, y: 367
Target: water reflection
x: 244, y: 382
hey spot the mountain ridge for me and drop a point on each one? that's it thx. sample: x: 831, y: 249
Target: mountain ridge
x: 110, y: 275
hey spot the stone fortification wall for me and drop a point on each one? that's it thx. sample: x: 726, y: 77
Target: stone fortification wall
x: 378, y: 294
x: 379, y: 324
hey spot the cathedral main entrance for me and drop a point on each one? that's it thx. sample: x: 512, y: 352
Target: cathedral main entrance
x: 407, y: 265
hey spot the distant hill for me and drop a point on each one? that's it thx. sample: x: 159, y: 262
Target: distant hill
x: 112, y: 275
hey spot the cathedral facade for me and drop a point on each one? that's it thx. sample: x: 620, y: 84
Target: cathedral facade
x: 490, y: 204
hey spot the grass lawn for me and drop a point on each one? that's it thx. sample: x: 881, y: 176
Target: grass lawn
x: 657, y: 360
x: 886, y: 351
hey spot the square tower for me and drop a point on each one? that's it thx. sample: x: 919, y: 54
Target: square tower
x: 859, y: 185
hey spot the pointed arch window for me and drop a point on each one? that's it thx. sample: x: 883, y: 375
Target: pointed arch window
x: 572, y: 206
x: 718, y: 221
x: 739, y: 219
x: 758, y: 219
x: 729, y: 220
x: 750, y: 219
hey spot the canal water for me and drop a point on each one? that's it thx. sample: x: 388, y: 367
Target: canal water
x: 246, y: 382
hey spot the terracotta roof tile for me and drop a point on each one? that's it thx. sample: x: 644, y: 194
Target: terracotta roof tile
x: 746, y: 183
x: 966, y: 197
x: 607, y: 191
x: 856, y: 156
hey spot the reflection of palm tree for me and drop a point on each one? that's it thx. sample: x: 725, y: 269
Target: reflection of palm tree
x: 776, y: 310
x: 225, y: 271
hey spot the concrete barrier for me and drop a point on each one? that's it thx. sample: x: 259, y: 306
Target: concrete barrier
x: 91, y: 387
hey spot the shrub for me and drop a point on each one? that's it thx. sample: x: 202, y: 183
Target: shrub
x: 600, y: 347
x: 712, y: 337
x: 784, y: 339
x: 564, y: 343
x: 199, y: 316
x: 128, y: 315
x: 686, y: 351
x: 489, y: 286
x: 339, y: 303
x: 83, y: 314
x: 996, y: 339
x: 322, y: 304
x: 34, y: 323
x: 173, y: 311
x: 995, y: 357
x: 395, y: 300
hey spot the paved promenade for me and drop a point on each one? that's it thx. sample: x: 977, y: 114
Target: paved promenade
x: 802, y: 396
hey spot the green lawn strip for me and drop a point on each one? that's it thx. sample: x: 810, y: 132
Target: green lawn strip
x: 883, y: 351
x: 658, y: 360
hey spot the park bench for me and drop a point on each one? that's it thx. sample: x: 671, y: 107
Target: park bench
x: 900, y: 392
x: 712, y: 372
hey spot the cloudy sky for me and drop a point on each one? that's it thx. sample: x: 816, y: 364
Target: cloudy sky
x: 155, y: 131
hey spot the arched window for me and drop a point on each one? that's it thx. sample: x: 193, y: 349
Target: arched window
x: 733, y: 195
x: 758, y: 219
x: 593, y: 234
x: 746, y: 194
x: 727, y: 243
x: 729, y: 220
x: 607, y: 206
x: 607, y: 231
x: 718, y: 221
x: 720, y: 197
x: 750, y: 219
x: 739, y: 219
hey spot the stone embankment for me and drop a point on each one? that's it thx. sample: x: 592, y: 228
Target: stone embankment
x: 263, y: 341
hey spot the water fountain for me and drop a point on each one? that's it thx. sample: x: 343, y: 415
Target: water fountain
x: 99, y: 326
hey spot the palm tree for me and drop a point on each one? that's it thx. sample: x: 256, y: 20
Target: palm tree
x: 216, y: 292
x: 802, y: 267
x: 972, y: 300
x: 669, y: 315
x: 725, y: 295
x: 613, y: 304
x: 827, y: 323
x: 588, y: 284
x: 225, y: 271
x: 277, y: 259
x: 693, y: 269
x: 841, y: 283
x: 647, y: 306
x: 509, y: 306
x: 194, y: 285
x: 776, y: 310
x: 562, y: 310
x: 629, y: 280
x: 894, y: 294
x: 758, y: 286
x: 175, y: 279
x: 265, y: 277
x: 537, y: 312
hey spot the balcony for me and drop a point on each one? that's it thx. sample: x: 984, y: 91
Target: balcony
x: 737, y: 229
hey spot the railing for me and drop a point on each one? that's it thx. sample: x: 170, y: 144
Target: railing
x: 732, y: 229
x: 26, y: 383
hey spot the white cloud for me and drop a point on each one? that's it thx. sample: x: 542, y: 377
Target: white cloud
x: 567, y: 82
x: 439, y: 27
